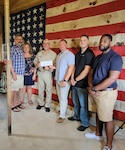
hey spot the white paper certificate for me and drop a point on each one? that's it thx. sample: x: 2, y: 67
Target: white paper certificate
x: 46, y: 63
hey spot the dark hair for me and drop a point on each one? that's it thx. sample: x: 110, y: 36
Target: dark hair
x: 18, y: 35
x: 63, y: 40
x: 108, y: 35
x: 85, y: 36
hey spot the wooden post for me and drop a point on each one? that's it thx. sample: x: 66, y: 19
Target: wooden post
x: 1, y: 36
x: 7, y: 39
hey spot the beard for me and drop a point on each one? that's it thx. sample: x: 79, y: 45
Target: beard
x: 20, y: 44
x: 104, y: 48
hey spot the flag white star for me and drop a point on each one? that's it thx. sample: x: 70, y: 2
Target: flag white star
x: 23, y: 34
x: 28, y: 41
x: 34, y: 40
x: 28, y: 34
x: 40, y: 40
x: 18, y: 29
x: 23, y: 21
x: 34, y: 11
x: 23, y: 28
x: 13, y: 17
x: 18, y: 22
x: 28, y: 27
x: 29, y: 13
x: 40, y: 25
x: 41, y: 9
x: 18, y: 16
x: 29, y: 19
x: 34, y: 18
x: 34, y: 48
x: 14, y: 25
x: 34, y: 25
x: 41, y: 17
x: 14, y: 30
x: 34, y: 34
x: 40, y: 33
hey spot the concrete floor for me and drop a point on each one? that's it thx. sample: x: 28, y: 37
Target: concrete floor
x: 37, y: 130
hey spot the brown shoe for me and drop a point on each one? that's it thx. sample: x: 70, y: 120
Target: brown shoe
x: 60, y: 120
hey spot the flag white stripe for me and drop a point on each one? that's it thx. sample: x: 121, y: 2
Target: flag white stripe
x: 120, y: 106
x: 121, y: 85
x: 94, y: 41
x: 73, y: 6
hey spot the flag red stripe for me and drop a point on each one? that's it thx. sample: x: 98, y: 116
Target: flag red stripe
x: 121, y: 96
x: 92, y: 11
x: 122, y: 74
x: 51, y: 4
x: 34, y: 91
x: 119, y: 115
x: 93, y: 31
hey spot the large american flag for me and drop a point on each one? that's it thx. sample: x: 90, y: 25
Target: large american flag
x: 30, y: 24
x: 70, y: 19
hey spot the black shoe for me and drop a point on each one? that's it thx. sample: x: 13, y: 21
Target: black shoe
x: 39, y: 107
x: 73, y: 119
x: 47, y: 109
x: 82, y: 128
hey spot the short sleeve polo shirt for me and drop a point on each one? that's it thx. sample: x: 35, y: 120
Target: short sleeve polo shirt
x: 62, y: 63
x: 103, y: 64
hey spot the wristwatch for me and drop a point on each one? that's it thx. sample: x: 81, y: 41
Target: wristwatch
x: 93, y: 89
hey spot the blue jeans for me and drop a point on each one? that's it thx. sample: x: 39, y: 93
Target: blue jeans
x: 80, y: 100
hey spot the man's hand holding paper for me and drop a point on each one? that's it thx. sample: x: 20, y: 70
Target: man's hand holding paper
x: 46, y: 63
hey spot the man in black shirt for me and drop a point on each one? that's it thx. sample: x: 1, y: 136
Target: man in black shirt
x: 79, y: 81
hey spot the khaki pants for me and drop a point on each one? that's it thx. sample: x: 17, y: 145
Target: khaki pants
x: 103, y: 104
x: 44, y: 84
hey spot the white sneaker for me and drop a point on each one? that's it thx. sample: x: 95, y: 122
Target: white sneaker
x: 107, y: 148
x: 93, y: 136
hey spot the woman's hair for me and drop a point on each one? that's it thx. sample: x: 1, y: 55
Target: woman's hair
x: 30, y: 48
